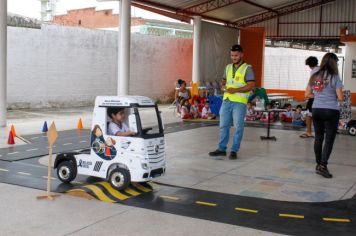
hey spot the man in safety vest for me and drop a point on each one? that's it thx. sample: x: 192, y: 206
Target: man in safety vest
x: 238, y: 81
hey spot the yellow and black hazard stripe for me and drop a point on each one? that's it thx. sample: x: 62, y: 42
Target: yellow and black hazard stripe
x: 103, y: 191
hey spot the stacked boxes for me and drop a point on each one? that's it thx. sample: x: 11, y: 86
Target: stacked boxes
x: 345, y: 110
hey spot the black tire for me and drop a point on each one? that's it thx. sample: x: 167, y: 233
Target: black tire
x: 119, y: 178
x: 66, y: 171
x: 352, y: 130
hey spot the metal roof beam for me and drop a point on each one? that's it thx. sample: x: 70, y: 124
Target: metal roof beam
x: 210, y: 5
x: 178, y: 12
x: 292, y: 8
x: 169, y: 14
x: 260, y: 6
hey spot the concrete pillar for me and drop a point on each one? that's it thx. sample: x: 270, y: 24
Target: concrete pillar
x: 124, y: 47
x: 196, y: 48
x: 3, y: 56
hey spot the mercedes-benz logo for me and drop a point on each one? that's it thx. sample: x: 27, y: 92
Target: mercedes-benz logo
x: 156, y: 148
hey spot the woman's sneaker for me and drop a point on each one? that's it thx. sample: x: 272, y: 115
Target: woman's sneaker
x: 323, y: 171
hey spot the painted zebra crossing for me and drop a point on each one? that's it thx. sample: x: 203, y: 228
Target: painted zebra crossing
x: 103, y: 191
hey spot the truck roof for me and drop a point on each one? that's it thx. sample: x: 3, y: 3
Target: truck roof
x: 123, y: 101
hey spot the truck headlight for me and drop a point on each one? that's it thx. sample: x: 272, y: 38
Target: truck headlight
x: 144, y: 166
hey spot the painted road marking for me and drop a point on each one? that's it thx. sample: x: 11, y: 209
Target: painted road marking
x: 99, y: 193
x: 5, y: 170
x: 132, y: 192
x: 337, y: 220
x: 10, y: 153
x: 32, y: 149
x: 46, y: 177
x: 206, y: 203
x: 169, y: 197
x: 34, y: 138
x: 246, y: 210
x: 292, y: 216
x: 23, y: 173
x: 65, y: 144
x: 113, y: 191
x: 83, y: 141
x: 142, y: 188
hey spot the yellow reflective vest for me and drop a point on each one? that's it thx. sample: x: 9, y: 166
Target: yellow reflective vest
x: 236, y: 82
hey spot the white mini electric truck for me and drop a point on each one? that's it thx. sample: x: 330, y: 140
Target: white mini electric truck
x: 119, y: 159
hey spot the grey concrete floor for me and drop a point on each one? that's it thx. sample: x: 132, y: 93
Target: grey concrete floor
x: 282, y: 170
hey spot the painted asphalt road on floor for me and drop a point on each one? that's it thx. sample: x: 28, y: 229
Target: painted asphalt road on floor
x: 333, y: 218
x: 293, y: 218
x: 70, y: 140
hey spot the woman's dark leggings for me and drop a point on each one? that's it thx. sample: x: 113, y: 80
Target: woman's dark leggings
x: 325, y: 124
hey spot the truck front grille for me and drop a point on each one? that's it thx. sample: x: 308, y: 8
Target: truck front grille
x: 156, y: 154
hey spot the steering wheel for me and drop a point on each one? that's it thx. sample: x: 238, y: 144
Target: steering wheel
x: 145, y: 130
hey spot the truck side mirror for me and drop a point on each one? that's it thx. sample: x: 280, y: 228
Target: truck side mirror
x: 132, y: 123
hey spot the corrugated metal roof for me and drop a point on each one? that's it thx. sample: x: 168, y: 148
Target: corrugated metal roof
x: 234, y: 12
x: 305, y: 23
x: 228, y: 12
x: 335, y: 15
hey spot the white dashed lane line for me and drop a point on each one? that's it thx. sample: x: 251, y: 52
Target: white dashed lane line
x: 83, y: 141
x: 23, y: 173
x: 4, y: 170
x: 66, y: 144
x: 32, y: 149
x: 11, y: 153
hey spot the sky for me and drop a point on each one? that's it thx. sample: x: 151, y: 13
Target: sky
x: 32, y: 8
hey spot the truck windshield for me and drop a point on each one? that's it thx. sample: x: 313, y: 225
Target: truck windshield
x: 149, y: 120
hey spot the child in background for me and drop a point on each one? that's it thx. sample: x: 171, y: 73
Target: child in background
x: 185, y: 109
x: 251, y: 115
x: 194, y: 109
x: 287, y: 116
x: 264, y: 117
x: 298, y: 119
x: 206, y: 112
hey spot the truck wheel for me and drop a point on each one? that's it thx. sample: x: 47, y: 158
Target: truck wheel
x: 119, y: 178
x: 352, y: 130
x: 66, y: 171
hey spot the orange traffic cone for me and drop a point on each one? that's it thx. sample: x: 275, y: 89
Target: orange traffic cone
x: 80, y: 124
x: 13, y: 130
x: 11, y: 139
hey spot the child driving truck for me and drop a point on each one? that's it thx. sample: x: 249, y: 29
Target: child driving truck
x: 117, y: 126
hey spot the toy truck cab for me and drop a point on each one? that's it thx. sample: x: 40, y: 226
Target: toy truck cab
x: 120, y: 159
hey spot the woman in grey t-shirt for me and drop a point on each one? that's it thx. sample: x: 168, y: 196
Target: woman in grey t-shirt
x: 327, y: 89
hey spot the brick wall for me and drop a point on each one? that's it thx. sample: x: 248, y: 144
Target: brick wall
x: 91, y: 18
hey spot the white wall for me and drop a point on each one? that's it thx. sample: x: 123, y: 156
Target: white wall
x: 285, y: 68
x: 350, y: 83
x: 65, y: 66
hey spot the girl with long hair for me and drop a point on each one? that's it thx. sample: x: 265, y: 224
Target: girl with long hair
x: 326, y: 86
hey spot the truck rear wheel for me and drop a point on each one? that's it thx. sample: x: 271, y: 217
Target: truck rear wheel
x: 66, y: 171
x: 352, y: 130
x: 119, y: 178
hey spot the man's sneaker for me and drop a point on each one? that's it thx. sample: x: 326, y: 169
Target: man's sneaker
x: 323, y: 171
x: 233, y: 156
x: 217, y: 153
